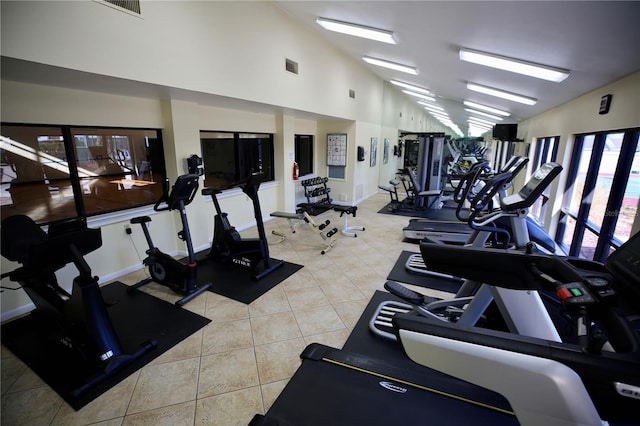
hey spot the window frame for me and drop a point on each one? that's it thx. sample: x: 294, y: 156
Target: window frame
x: 542, y: 155
x: 80, y: 202
x: 305, y: 162
x: 605, y: 232
x: 240, y: 151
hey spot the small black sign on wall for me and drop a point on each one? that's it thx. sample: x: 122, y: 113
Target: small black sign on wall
x: 605, y: 103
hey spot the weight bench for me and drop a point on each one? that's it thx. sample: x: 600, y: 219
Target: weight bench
x: 297, y: 219
x: 392, y: 189
x: 345, y: 211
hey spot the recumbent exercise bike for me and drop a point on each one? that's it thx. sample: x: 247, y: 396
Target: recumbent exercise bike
x: 164, y: 269
x: 77, y: 321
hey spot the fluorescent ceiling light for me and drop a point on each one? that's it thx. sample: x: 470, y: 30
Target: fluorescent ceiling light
x: 486, y: 108
x: 514, y: 65
x: 391, y: 65
x: 501, y: 94
x: 484, y: 114
x: 477, y: 120
x: 420, y: 95
x: 440, y: 116
x: 430, y: 106
x: 410, y: 87
x: 357, y: 30
x: 480, y: 126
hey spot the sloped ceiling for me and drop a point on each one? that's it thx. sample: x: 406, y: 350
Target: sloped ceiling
x: 598, y: 42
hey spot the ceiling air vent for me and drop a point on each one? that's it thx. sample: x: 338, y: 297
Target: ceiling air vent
x: 291, y: 66
x: 131, y: 6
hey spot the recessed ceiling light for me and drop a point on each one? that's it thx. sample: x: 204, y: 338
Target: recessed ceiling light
x: 391, y: 65
x: 357, y: 30
x: 484, y: 114
x: 420, y: 95
x: 486, y: 108
x: 501, y: 94
x: 514, y: 65
x: 410, y: 87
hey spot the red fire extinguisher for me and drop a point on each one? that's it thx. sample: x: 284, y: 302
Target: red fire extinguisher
x: 296, y: 171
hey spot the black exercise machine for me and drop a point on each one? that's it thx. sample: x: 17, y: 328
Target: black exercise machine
x: 590, y: 379
x: 472, y: 300
x: 79, y: 320
x: 229, y: 246
x: 479, y: 376
x: 164, y: 269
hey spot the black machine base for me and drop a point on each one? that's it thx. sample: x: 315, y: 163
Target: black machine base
x: 337, y: 387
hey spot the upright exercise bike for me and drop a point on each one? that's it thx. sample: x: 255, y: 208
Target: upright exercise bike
x: 228, y: 245
x: 77, y: 322
x: 164, y: 269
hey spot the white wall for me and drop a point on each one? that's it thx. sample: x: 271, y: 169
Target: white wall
x: 185, y: 45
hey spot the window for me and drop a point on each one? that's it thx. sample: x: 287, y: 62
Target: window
x: 601, y: 197
x: 230, y: 157
x: 53, y: 173
x: 546, y: 151
x: 503, y: 152
x: 304, y: 154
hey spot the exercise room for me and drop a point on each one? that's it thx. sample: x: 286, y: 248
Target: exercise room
x: 319, y: 213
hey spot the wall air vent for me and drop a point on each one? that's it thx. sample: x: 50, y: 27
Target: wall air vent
x: 129, y: 6
x: 291, y: 66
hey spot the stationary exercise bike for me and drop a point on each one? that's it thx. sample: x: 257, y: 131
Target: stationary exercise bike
x: 76, y: 321
x: 164, y: 269
x: 228, y: 245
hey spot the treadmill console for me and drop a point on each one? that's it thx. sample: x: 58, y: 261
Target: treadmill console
x: 624, y: 264
x: 540, y: 180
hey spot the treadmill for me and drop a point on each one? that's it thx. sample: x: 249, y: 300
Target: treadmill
x: 471, y: 375
x: 447, y: 227
x: 593, y: 380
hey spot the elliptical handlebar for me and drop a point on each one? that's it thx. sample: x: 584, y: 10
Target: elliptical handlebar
x: 529, y: 271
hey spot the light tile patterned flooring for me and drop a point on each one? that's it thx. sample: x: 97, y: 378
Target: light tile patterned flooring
x: 237, y: 365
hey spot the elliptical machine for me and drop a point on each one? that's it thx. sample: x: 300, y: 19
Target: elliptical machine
x: 164, y: 269
x: 228, y: 245
x: 79, y: 321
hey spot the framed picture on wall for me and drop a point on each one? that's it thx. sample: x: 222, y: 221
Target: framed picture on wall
x: 374, y: 151
x: 385, y: 151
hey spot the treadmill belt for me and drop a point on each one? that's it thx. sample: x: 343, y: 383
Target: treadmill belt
x: 335, y: 387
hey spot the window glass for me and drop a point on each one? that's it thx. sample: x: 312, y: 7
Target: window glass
x: 336, y: 172
x: 229, y: 157
x: 606, y: 171
x: 304, y: 154
x: 35, y: 174
x: 600, y: 203
x: 114, y: 168
x: 54, y: 173
x: 589, y: 243
x: 627, y: 213
x: 545, y: 152
x: 577, y: 187
x: 569, y: 230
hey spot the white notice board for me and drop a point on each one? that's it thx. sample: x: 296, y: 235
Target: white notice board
x: 337, y: 149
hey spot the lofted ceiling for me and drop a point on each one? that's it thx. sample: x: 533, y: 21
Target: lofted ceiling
x: 597, y: 41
